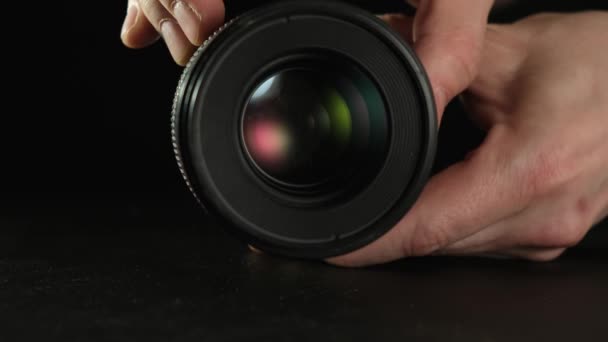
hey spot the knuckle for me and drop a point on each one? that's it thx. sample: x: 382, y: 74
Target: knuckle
x: 544, y: 173
x: 146, y: 4
x: 170, y: 5
x: 577, y: 222
x: 565, y: 232
x: 465, y: 63
x: 465, y: 46
x: 154, y: 11
x: 565, y: 238
x: 571, y: 232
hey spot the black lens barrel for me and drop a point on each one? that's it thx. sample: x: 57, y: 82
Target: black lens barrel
x: 307, y: 127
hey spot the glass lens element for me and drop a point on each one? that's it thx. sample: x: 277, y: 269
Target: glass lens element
x: 307, y: 126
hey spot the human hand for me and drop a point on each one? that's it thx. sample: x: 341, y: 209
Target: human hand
x: 539, y: 181
x: 183, y: 24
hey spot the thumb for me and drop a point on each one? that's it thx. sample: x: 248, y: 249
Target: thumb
x: 448, y: 38
x: 456, y: 203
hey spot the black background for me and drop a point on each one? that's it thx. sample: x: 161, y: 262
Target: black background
x: 83, y: 114
x: 100, y: 240
x: 86, y: 120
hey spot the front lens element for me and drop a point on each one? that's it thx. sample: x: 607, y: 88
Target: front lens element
x: 308, y: 126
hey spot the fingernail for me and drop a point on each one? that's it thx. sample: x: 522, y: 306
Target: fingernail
x: 173, y: 39
x: 189, y: 19
x: 131, y: 17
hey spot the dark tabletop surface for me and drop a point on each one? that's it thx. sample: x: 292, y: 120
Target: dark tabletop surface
x: 156, y: 270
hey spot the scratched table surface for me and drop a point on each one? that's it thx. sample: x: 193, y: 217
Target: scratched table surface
x: 112, y: 270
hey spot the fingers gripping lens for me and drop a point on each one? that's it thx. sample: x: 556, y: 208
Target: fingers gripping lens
x: 307, y: 128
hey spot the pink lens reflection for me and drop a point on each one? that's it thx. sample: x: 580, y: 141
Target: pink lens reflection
x: 268, y: 142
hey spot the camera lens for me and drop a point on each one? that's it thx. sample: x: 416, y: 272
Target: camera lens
x: 306, y: 128
x: 313, y: 125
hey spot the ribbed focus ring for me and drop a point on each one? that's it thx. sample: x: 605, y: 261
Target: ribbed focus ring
x: 177, y: 104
